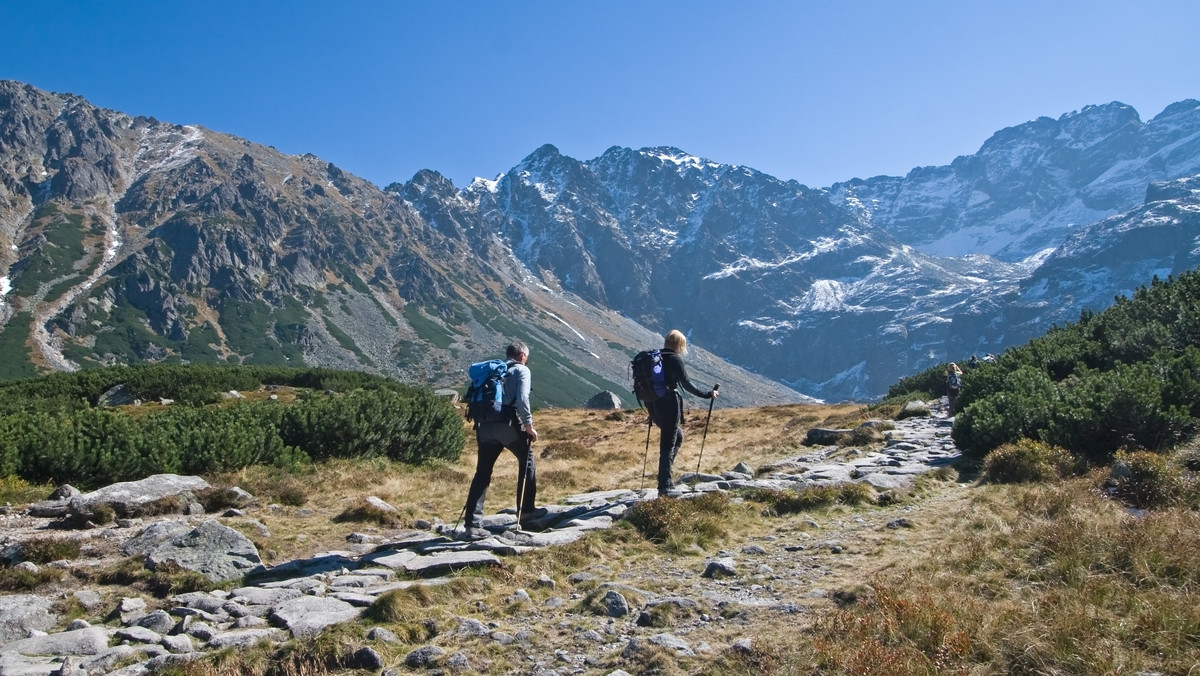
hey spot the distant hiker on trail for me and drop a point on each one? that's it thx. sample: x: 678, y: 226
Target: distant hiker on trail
x: 973, y: 362
x: 510, y: 427
x: 953, y: 384
x: 667, y: 411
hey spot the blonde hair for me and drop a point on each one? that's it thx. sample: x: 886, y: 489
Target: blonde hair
x: 676, y: 342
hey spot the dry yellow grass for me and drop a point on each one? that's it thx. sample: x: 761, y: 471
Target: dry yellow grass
x: 1048, y: 578
x: 578, y: 451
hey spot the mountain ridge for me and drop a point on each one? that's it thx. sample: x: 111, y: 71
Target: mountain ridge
x: 228, y: 250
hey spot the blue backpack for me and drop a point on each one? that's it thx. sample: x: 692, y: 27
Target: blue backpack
x: 485, y: 395
x: 649, y: 381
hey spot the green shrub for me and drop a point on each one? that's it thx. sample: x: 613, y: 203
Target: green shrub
x: 215, y: 499
x: 1022, y: 409
x: 1027, y: 461
x: 780, y: 502
x: 1147, y: 480
x: 696, y: 520
x: 46, y: 549
x: 292, y: 492
x: 362, y: 424
x: 19, y: 579
x: 14, y: 489
x: 855, y: 493
x: 363, y: 511
x: 1126, y: 378
x: 49, y: 433
x: 1191, y: 459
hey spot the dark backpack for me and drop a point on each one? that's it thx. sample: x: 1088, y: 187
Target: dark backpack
x: 485, y: 395
x: 649, y: 381
x: 953, y: 381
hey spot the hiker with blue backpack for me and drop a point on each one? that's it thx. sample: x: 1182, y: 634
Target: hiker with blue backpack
x: 656, y: 385
x: 498, y: 403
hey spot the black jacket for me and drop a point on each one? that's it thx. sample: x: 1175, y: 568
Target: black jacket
x: 676, y: 374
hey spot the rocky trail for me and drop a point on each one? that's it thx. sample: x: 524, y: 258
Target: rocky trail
x: 788, y: 571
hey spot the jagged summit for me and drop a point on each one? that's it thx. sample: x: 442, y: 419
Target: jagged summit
x: 126, y: 239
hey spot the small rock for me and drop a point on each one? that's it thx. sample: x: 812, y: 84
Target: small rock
x: 722, y: 567
x: 367, y: 658
x: 380, y: 504
x: 425, y: 656
x: 178, y: 645
x: 458, y: 662
x: 381, y: 634
x: 471, y: 627
x: 137, y: 634
x: 614, y: 604
x: 158, y: 621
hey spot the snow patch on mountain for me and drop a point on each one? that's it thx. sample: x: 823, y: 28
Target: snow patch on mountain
x: 165, y: 150
x: 745, y: 264
x: 678, y: 158
x: 564, y: 323
x: 485, y: 185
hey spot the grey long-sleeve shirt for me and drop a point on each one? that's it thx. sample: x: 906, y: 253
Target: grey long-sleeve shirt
x: 516, y: 392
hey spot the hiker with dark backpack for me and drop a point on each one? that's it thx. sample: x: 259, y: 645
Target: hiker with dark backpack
x: 498, y: 403
x: 658, y: 391
x: 953, y: 385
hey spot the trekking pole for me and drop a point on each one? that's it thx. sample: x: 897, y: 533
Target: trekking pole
x: 649, y: 424
x: 524, y: 483
x: 521, y: 496
x: 710, y: 405
x: 461, y: 514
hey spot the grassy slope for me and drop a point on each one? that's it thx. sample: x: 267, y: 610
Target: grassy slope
x: 990, y: 579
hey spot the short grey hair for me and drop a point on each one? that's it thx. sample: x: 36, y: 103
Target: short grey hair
x: 516, y: 349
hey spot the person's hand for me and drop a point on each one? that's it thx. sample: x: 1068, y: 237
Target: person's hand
x: 532, y: 434
x: 712, y: 394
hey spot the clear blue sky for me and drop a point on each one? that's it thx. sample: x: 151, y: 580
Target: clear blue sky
x: 813, y: 91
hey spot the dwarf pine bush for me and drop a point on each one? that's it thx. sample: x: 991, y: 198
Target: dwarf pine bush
x: 1027, y: 461
x: 1126, y: 378
x: 1146, y: 480
x: 53, y: 434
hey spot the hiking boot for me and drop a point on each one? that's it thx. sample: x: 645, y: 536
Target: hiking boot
x: 471, y: 534
x: 534, y: 519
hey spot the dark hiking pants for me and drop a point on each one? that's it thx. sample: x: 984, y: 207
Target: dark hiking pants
x: 667, y: 414
x: 493, y: 438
